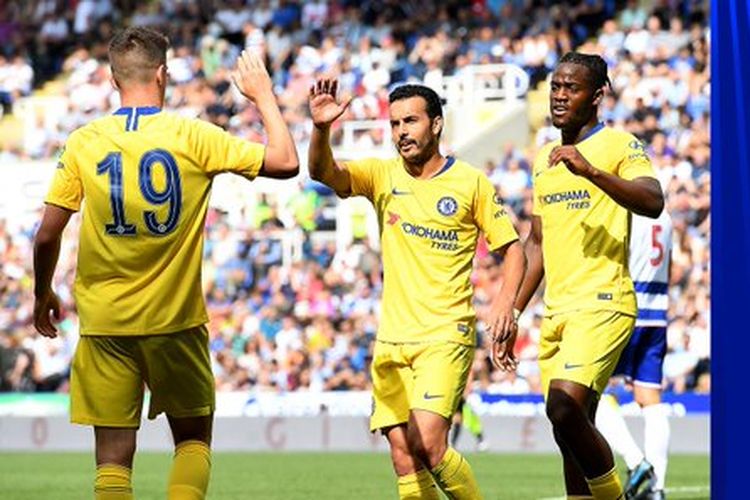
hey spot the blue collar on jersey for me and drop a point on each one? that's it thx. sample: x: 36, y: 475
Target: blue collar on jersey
x: 133, y: 114
x: 448, y: 164
x: 596, y: 128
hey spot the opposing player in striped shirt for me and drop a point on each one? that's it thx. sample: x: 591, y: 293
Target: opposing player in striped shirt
x: 641, y: 361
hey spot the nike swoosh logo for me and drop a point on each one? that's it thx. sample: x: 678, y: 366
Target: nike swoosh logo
x: 396, y: 192
x: 432, y: 396
x: 570, y: 366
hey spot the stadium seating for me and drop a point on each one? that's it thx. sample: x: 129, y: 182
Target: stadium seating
x: 292, y: 276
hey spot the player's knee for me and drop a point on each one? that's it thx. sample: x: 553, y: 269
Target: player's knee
x: 191, y: 429
x: 115, y: 446
x: 647, y: 397
x: 428, y: 451
x: 562, y: 410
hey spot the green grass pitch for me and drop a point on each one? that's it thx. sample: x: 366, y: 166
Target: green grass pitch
x: 306, y: 476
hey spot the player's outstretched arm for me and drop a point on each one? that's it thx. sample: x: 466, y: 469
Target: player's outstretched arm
x: 252, y: 80
x: 641, y: 195
x: 46, y: 252
x: 503, y: 320
x: 325, y: 109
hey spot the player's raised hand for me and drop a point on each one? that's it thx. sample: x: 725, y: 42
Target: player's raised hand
x: 324, y: 108
x: 572, y: 159
x: 251, y: 78
x: 43, y: 306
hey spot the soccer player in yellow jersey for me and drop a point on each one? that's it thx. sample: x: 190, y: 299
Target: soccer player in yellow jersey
x: 146, y: 177
x: 431, y: 210
x: 584, y: 190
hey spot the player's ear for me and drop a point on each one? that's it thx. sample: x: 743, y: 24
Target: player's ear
x: 162, y: 74
x: 112, y: 79
x: 437, y: 125
x: 598, y: 96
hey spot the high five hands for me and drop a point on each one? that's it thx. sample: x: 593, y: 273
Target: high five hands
x: 324, y: 106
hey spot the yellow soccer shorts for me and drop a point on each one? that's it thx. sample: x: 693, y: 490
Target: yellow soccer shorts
x: 583, y: 346
x: 110, y: 373
x: 417, y: 376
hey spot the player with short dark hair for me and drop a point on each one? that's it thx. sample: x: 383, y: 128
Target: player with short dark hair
x: 585, y: 187
x: 431, y: 209
x: 433, y: 106
x: 146, y: 177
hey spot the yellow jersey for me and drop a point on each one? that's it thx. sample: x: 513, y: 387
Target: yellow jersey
x: 585, y: 233
x: 145, y: 176
x: 429, y: 230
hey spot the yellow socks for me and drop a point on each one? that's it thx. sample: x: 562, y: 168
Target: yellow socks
x: 417, y: 486
x: 190, y: 471
x: 112, y: 483
x: 455, y: 477
x: 606, y: 486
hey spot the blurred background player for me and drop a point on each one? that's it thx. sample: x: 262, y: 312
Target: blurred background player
x: 431, y: 210
x: 466, y: 417
x: 642, y: 360
x: 146, y: 176
x: 585, y: 187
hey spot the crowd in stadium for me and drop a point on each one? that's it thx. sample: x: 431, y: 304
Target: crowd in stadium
x: 309, y: 325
